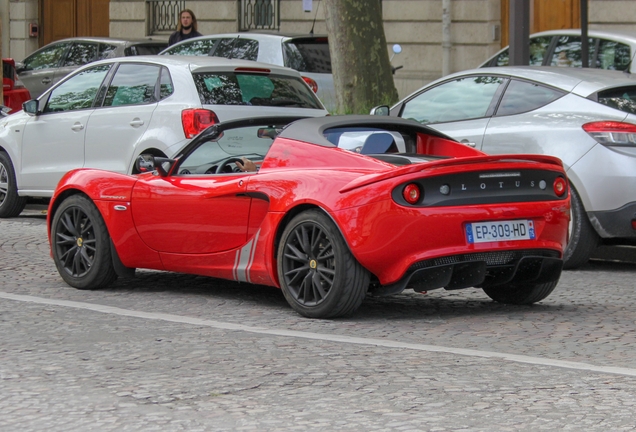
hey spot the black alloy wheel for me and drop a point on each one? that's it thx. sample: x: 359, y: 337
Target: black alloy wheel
x: 319, y: 276
x: 81, y: 244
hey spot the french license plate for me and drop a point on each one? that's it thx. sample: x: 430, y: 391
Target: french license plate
x: 482, y: 232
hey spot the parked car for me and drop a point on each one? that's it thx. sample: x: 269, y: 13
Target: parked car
x: 340, y: 205
x: 308, y: 54
x: 107, y: 113
x: 586, y: 117
x: 612, y: 50
x: 14, y: 92
x: 48, y: 65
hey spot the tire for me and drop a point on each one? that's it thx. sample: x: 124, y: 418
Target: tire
x: 583, y: 238
x: 11, y: 204
x: 319, y: 276
x: 521, y: 294
x: 80, y: 244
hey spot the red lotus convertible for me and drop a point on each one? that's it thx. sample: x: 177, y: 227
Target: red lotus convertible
x: 339, y: 207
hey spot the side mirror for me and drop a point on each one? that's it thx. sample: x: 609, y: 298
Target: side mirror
x: 21, y: 67
x: 381, y: 110
x: 31, y: 107
x: 147, y: 163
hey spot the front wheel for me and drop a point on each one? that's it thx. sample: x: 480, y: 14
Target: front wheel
x: 318, y: 275
x: 81, y: 244
x: 11, y: 204
x: 521, y: 294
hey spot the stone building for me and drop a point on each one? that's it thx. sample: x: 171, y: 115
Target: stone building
x: 478, y: 28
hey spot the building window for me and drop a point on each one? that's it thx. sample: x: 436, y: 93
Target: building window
x: 163, y: 15
x: 259, y: 14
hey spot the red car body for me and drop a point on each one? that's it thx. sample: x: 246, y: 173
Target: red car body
x: 15, y: 94
x: 232, y: 225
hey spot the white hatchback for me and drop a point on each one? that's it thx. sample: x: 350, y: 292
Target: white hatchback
x: 107, y: 113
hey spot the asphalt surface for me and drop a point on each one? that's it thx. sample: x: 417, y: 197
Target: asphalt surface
x: 172, y: 352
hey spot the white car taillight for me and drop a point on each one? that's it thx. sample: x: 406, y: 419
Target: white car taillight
x: 196, y: 120
x: 612, y: 133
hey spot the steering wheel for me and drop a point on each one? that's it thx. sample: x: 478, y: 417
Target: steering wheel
x: 221, y: 168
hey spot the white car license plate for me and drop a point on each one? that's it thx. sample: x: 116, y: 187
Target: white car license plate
x: 482, y: 232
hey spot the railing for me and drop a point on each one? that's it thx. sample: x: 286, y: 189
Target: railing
x: 163, y: 15
x: 259, y: 14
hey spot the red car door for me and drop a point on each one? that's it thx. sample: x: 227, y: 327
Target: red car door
x: 192, y: 214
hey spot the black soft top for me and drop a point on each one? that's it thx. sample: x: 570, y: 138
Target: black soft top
x: 312, y: 130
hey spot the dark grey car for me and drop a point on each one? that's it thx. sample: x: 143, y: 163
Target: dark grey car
x: 51, y: 63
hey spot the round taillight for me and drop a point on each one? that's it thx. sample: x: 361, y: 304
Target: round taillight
x: 411, y: 193
x: 559, y: 186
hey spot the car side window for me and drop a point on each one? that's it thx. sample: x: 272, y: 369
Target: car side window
x: 522, y: 96
x: 78, y: 92
x: 613, y: 55
x: 197, y: 48
x: 107, y: 51
x: 567, y: 52
x: 623, y: 99
x: 142, y: 49
x: 133, y: 84
x: 245, y: 49
x: 47, y: 58
x: 80, y: 54
x: 236, y: 48
x: 223, y: 47
x: 538, y: 47
x: 460, y: 99
x: 166, y: 88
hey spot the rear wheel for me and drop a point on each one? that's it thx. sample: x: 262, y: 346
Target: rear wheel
x: 521, y: 294
x: 11, y: 204
x: 583, y: 238
x: 81, y: 244
x: 319, y: 276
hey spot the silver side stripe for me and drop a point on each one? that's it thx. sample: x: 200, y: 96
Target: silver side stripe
x: 244, y: 259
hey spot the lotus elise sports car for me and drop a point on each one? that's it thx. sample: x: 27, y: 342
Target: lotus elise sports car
x: 339, y: 207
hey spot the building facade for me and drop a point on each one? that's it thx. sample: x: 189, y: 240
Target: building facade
x: 477, y: 28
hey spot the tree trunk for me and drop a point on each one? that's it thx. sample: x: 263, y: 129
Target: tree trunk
x: 359, y: 56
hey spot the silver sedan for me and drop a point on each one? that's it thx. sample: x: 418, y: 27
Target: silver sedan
x: 586, y: 117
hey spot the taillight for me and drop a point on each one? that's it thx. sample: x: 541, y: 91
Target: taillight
x: 559, y: 186
x: 311, y: 83
x: 411, y: 193
x: 612, y: 133
x: 195, y: 120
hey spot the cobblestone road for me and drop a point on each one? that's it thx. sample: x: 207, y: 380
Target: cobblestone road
x: 174, y: 352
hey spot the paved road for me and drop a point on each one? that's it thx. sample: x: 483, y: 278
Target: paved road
x: 173, y: 352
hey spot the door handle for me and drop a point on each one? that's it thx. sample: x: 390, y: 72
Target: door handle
x: 77, y: 127
x: 136, y: 122
x: 46, y: 80
x: 468, y: 143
